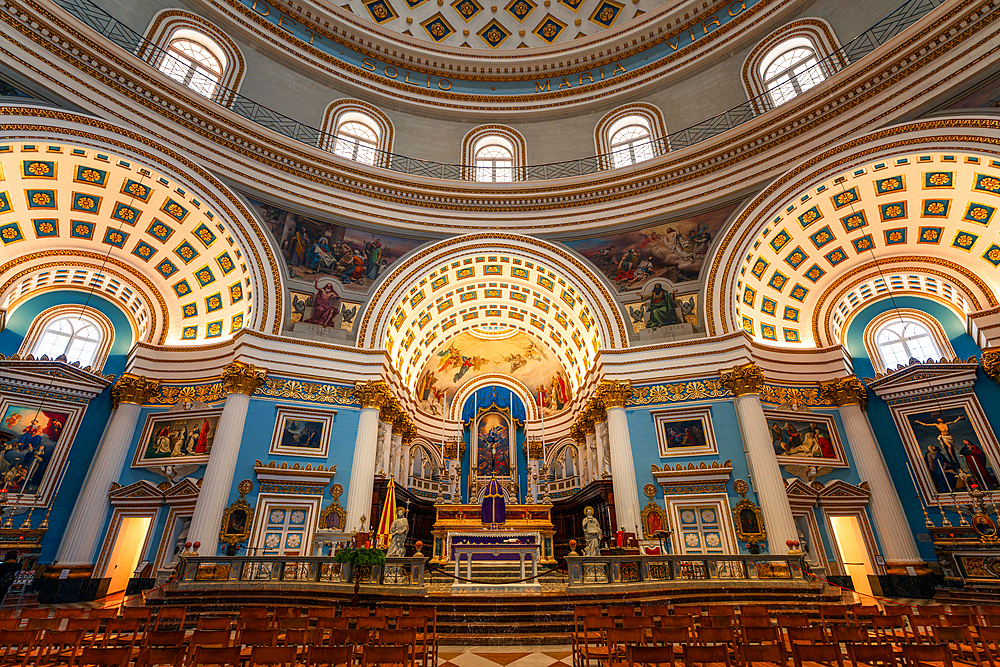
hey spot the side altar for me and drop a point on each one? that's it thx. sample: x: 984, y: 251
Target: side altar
x: 526, y: 525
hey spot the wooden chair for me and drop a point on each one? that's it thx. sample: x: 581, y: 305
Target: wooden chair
x: 772, y: 654
x: 215, y: 655
x: 989, y: 641
x: 406, y: 638
x: 682, y: 621
x: 17, y: 645
x: 6, y: 613
x: 430, y: 613
x: 650, y: 655
x: 356, y: 612
x: 717, y: 621
x: 850, y: 634
x: 754, y: 610
x: 35, y: 612
x: 91, y: 628
x: 213, y: 623
x: 282, y: 656
x: 44, y: 623
x: 595, y: 647
x: 322, y: 612
x: 617, y: 611
x: 258, y: 638
x: 721, y: 610
x: 929, y: 609
x: 693, y: 610
x: 992, y: 620
x: 329, y: 656
x: 396, y: 656
x: 786, y: 621
x: 419, y: 625
x: 121, y: 632
x: 706, y: 655
x: 7, y: 624
x: 655, y: 611
x: 768, y: 635
x: 57, y: 646
x: 254, y: 624
x: 890, y: 629
x: 833, y: 614
x: 143, y: 614
x: 823, y: 654
x: 170, y: 618
x: 293, y: 623
x: 619, y: 639
x: 158, y: 657
x: 871, y: 655
x: 105, y: 657
x: 163, y: 638
x: 915, y: 655
x: 755, y: 621
x: 959, y: 642
x: 863, y: 613
x: 253, y: 612
x: 69, y: 613
x: 805, y: 636
x: 670, y: 638
x: 923, y: 627
x: 298, y: 639
x: 211, y: 639
x: 103, y: 614
x: 961, y: 610
x: 707, y: 636
x: 637, y: 622
x: 960, y: 620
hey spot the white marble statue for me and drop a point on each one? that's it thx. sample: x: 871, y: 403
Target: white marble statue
x: 397, y: 535
x: 591, y: 533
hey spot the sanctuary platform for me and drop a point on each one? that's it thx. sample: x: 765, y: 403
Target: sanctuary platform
x: 525, y: 525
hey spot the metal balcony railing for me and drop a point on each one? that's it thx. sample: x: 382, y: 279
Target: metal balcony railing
x: 883, y: 31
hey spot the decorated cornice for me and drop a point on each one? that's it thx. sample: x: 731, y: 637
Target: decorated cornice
x: 743, y: 380
x: 846, y: 391
x: 274, y: 473
x: 769, y: 138
x: 691, y: 478
x: 372, y: 394
x: 242, y: 378
x: 134, y: 389
x: 925, y: 379
x: 712, y: 388
x: 42, y: 379
x: 613, y: 393
x: 990, y: 361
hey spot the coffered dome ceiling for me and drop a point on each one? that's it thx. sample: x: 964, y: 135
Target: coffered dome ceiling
x: 923, y: 222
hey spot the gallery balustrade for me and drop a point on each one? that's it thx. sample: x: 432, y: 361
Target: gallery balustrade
x: 899, y: 20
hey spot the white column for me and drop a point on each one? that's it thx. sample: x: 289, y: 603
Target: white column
x: 768, y: 485
x: 898, y: 545
x: 241, y: 380
x: 614, y: 396
x: 371, y: 395
x: 91, y: 508
x: 404, y: 464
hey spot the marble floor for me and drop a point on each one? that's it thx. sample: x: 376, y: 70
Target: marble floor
x: 504, y: 656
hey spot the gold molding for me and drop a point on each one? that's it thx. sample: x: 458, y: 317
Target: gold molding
x: 743, y: 380
x: 845, y: 391
x: 135, y: 389
x: 613, y: 394
x: 242, y: 378
x: 990, y: 361
x: 372, y: 393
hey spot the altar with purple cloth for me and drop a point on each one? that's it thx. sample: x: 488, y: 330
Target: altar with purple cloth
x: 525, y: 527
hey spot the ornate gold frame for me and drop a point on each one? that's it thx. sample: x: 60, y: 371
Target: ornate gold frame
x: 650, y: 509
x: 744, y: 505
x: 245, y: 487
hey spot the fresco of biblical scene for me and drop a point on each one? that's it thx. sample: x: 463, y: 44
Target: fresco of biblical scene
x: 805, y: 436
x: 683, y: 434
x: 177, y: 437
x: 467, y: 356
x: 492, y: 445
x: 300, y: 431
x: 685, y: 431
x: 28, y: 436
x: 949, y: 444
x: 673, y: 252
x: 314, y: 249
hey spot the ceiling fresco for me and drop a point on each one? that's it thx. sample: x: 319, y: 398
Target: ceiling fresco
x: 937, y: 212
x: 145, y: 236
x: 506, y: 351
x: 674, y: 252
x: 318, y: 251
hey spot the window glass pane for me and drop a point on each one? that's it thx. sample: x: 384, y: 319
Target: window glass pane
x: 792, y: 73
x: 494, y: 164
x: 193, y: 65
x: 76, y: 337
x: 356, y: 141
x: 630, y: 145
x: 900, y: 341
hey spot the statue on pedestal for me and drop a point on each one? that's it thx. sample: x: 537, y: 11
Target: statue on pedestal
x: 591, y: 533
x: 397, y: 535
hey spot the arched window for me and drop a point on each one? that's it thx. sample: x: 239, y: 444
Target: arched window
x: 495, y: 154
x: 901, y: 334
x: 790, y: 70
x: 78, y: 337
x: 902, y: 340
x: 788, y: 62
x: 356, y: 141
x: 195, y: 53
x: 494, y: 163
x: 195, y: 61
x: 630, y: 134
x: 630, y: 145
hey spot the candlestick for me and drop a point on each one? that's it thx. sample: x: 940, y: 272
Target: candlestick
x: 944, y: 519
x: 26, y: 524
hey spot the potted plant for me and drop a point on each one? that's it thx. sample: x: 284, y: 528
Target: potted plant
x: 361, y: 563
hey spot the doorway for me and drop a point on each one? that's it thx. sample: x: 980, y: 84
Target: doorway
x: 853, y: 550
x: 126, y: 552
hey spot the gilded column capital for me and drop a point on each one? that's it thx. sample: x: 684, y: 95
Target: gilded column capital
x: 587, y: 422
x: 990, y: 361
x: 743, y: 380
x: 577, y: 432
x: 391, y: 412
x: 596, y: 412
x: 131, y: 388
x: 613, y: 394
x: 242, y: 378
x: 408, y: 432
x: 846, y: 391
x: 372, y: 393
